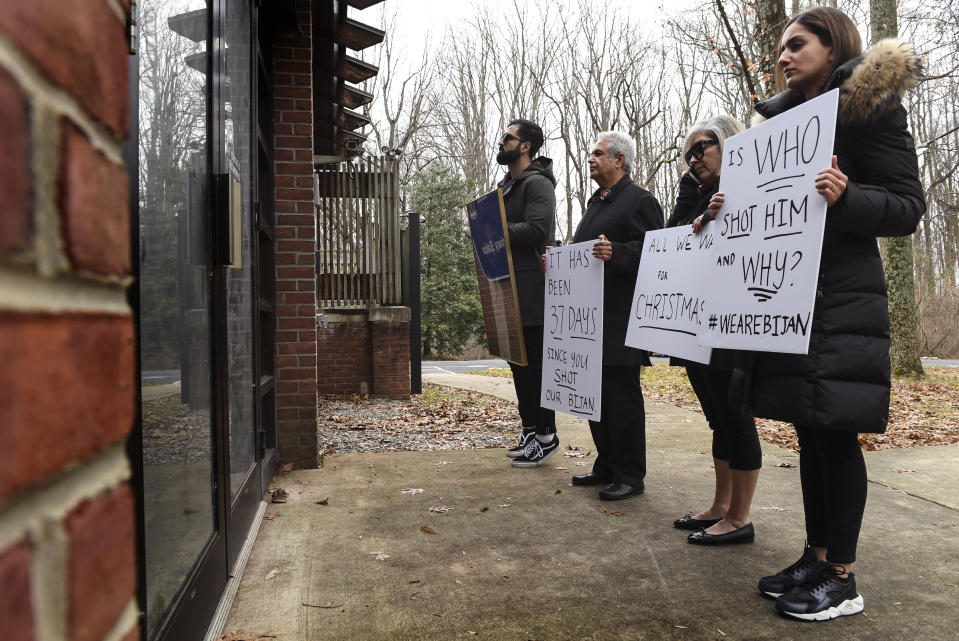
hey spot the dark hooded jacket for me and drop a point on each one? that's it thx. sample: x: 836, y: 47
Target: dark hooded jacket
x: 530, y: 201
x: 843, y: 382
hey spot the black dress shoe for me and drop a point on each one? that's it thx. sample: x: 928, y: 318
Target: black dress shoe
x: 589, y: 479
x: 689, y: 523
x: 745, y: 534
x: 617, y: 491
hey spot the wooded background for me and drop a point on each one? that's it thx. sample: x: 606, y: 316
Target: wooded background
x: 578, y: 68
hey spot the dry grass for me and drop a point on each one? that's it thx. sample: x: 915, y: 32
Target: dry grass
x: 922, y: 412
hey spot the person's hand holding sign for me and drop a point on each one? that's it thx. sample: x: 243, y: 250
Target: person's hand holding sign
x: 715, y: 203
x: 831, y: 183
x: 603, y: 249
x: 542, y: 258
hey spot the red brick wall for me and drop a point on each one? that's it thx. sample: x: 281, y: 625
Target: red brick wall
x: 295, y: 249
x: 343, y: 355
x: 365, y: 352
x: 67, y: 398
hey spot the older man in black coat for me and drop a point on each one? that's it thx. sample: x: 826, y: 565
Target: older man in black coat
x: 618, y: 215
x: 530, y: 199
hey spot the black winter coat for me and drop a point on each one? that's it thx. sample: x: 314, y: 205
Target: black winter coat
x: 623, y: 213
x: 690, y: 204
x: 530, y: 203
x: 843, y: 382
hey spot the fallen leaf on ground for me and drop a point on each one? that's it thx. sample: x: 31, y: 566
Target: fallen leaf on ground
x: 379, y: 556
x: 558, y: 492
x: 427, y: 529
x: 412, y: 490
x: 613, y: 512
x: 271, y: 516
x: 505, y: 504
x: 272, y: 573
x: 784, y: 464
x: 286, y: 468
x: 325, y: 501
x: 484, y: 508
x: 441, y: 509
x: 278, y: 496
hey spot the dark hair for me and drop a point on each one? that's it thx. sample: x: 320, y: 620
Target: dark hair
x: 530, y: 132
x: 834, y: 29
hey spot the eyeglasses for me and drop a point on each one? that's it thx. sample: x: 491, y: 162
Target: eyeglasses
x: 698, y: 150
x: 508, y: 136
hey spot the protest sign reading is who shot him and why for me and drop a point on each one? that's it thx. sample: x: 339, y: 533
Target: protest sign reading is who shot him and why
x: 573, y: 331
x: 761, y: 287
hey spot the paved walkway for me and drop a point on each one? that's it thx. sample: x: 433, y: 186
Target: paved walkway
x: 521, y: 554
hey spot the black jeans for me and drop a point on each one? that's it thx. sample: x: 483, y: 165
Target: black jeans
x: 620, y: 437
x: 735, y: 439
x: 527, y: 382
x: 832, y: 472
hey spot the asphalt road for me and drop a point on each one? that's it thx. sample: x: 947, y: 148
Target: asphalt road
x: 159, y: 377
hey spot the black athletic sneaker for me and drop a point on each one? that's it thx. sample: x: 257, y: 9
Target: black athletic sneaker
x: 826, y: 598
x: 790, y: 578
x: 536, y: 453
x: 524, y: 436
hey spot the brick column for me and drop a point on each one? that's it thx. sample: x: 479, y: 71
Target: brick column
x: 67, y: 535
x: 390, y: 336
x: 295, y: 248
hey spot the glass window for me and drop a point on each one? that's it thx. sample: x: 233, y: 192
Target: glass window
x: 175, y: 284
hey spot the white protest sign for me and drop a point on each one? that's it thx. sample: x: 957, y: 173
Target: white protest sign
x: 668, y: 308
x: 573, y: 331
x: 761, y: 289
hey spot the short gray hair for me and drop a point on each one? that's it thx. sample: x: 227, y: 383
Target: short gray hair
x: 719, y: 128
x: 619, y: 143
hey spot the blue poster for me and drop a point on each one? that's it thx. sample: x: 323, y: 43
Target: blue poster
x: 486, y: 226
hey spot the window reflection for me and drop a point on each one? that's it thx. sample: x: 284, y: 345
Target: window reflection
x: 174, y: 293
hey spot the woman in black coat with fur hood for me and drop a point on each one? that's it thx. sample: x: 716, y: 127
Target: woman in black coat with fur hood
x: 841, y: 387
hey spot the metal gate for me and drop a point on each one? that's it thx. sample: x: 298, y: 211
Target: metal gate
x: 357, y: 234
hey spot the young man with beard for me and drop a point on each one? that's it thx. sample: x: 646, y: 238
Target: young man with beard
x: 618, y: 215
x: 530, y: 199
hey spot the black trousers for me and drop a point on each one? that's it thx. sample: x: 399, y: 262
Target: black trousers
x: 735, y: 439
x: 832, y: 472
x: 620, y: 437
x: 527, y: 382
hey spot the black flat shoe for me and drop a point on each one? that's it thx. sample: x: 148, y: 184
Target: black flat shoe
x: 618, y: 491
x: 589, y: 479
x: 745, y: 534
x: 689, y: 523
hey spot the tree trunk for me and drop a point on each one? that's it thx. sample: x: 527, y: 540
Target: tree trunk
x: 900, y: 278
x: 770, y: 17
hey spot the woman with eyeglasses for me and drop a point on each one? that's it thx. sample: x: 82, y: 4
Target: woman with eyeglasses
x: 737, y: 456
x: 841, y: 387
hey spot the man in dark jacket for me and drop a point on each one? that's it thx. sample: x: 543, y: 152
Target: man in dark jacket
x: 618, y: 215
x: 530, y: 199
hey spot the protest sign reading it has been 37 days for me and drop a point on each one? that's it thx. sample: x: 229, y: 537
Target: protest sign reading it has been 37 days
x: 668, y: 310
x: 573, y: 331
x: 761, y: 288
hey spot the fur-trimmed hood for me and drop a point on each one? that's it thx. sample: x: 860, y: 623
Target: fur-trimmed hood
x: 869, y: 87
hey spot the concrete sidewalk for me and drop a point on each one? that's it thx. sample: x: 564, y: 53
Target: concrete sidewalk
x: 522, y: 554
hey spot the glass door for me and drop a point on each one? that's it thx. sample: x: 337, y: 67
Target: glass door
x: 183, y: 547
x: 236, y: 167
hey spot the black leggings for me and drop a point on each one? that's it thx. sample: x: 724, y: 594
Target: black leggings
x: 734, y: 430
x: 833, y: 476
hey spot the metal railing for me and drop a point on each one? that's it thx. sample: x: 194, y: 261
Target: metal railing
x: 357, y: 234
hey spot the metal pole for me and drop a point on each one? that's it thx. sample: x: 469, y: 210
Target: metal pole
x: 416, y: 340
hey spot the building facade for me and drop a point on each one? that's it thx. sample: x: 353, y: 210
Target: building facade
x: 159, y: 296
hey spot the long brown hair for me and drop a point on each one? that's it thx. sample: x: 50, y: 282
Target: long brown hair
x: 834, y: 29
